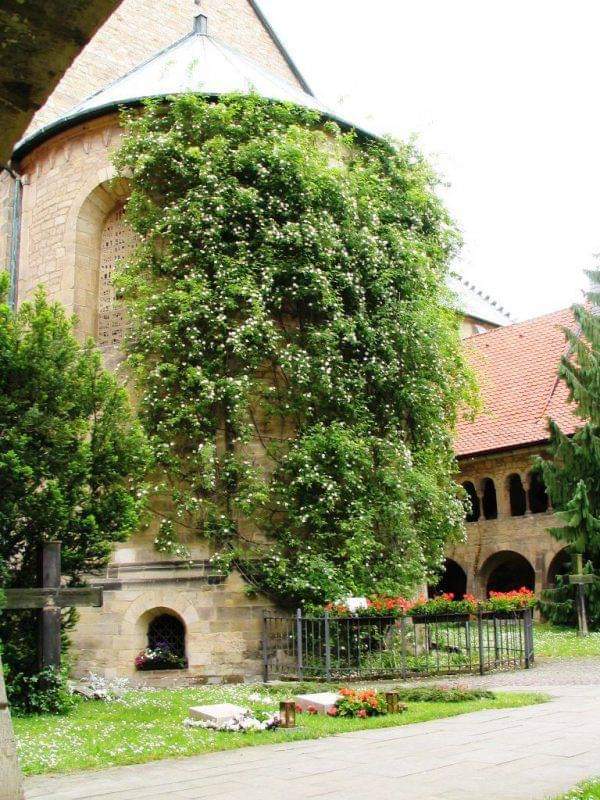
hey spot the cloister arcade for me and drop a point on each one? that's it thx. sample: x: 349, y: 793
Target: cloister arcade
x: 508, y: 541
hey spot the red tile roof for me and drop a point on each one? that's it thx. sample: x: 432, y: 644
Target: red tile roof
x: 516, y: 366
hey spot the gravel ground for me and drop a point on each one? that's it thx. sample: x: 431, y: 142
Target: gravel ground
x: 546, y: 672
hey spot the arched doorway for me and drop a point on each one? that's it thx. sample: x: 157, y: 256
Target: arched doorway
x: 560, y: 565
x: 506, y: 571
x: 453, y: 580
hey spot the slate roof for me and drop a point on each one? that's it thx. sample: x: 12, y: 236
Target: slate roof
x: 473, y: 302
x: 197, y: 63
x: 516, y: 366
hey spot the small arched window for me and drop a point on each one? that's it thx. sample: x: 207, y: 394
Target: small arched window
x: 518, y: 501
x: 489, y: 502
x: 538, y: 499
x: 474, y: 513
x: 166, y: 637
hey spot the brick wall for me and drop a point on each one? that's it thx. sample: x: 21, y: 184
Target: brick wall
x: 140, y: 28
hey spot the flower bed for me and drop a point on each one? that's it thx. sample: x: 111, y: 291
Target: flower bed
x: 159, y: 658
x: 444, y: 605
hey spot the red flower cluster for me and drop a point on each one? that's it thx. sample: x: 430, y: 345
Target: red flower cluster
x: 360, y: 704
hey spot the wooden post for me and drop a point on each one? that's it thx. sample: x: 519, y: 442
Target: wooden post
x: 50, y: 616
x: 579, y: 579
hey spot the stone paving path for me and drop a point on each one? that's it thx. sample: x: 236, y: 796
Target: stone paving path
x: 530, y: 753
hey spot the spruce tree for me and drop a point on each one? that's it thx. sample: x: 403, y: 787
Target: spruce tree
x: 572, y: 475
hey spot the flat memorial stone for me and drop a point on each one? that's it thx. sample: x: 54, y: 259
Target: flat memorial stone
x: 321, y: 702
x: 219, y: 713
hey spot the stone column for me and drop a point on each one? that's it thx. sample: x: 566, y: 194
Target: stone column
x: 11, y: 784
x: 503, y: 496
x: 526, y: 481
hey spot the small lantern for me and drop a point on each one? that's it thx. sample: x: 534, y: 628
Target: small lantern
x: 287, y: 713
x: 392, y: 700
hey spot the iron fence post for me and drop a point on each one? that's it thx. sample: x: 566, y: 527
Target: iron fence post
x: 403, y: 645
x: 528, y: 637
x: 327, y: 649
x: 265, y: 647
x: 480, y: 635
x: 299, y: 643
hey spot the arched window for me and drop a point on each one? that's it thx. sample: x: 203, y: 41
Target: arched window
x: 538, y: 499
x: 518, y: 501
x: 166, y: 637
x: 473, y: 514
x: 117, y: 242
x: 489, y: 503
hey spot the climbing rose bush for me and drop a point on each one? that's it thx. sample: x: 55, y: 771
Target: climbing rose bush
x: 296, y: 351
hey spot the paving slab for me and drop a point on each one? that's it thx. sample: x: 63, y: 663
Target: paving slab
x: 530, y: 753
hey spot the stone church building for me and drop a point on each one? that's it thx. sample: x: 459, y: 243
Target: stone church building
x: 61, y: 225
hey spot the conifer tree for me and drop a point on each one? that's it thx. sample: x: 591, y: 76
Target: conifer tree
x: 572, y: 475
x: 72, y: 464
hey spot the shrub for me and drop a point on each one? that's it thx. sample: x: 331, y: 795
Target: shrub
x: 45, y: 692
x: 442, y: 694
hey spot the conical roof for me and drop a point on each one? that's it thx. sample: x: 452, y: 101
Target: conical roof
x: 197, y: 63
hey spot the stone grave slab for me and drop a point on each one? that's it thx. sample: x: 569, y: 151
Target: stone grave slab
x: 220, y: 713
x: 322, y: 701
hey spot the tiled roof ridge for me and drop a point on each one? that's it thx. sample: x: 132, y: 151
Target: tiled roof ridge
x: 521, y: 323
x: 486, y: 297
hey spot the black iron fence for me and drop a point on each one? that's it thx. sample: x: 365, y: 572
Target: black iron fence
x: 335, y: 648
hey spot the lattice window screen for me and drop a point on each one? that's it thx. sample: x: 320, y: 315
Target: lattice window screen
x: 118, y: 241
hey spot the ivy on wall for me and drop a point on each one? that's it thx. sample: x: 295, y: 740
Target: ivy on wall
x: 294, y: 345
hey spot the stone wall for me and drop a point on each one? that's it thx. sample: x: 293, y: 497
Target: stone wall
x: 223, y: 623
x: 525, y: 535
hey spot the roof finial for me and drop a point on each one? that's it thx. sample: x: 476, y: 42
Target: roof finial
x: 200, y: 20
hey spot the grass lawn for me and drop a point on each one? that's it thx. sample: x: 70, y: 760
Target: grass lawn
x: 585, y: 791
x: 553, y: 642
x: 147, y: 725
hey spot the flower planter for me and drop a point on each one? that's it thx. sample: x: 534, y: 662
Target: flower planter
x: 156, y: 665
x: 420, y: 619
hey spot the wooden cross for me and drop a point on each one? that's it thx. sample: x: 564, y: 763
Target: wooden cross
x: 580, y: 580
x: 50, y: 598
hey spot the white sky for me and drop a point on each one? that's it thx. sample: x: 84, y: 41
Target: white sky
x: 503, y: 97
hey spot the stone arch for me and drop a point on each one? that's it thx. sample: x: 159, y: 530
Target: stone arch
x: 133, y: 630
x: 560, y: 565
x: 453, y: 579
x: 516, y: 494
x: 475, y: 512
x: 505, y: 571
x: 489, y: 501
x: 97, y: 200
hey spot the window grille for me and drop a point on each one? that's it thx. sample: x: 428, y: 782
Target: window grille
x: 117, y: 242
x: 167, y: 632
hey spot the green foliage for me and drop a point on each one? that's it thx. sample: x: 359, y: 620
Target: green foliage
x: 44, y: 692
x: 288, y: 307
x: 442, y: 694
x: 572, y: 476
x: 72, y: 457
